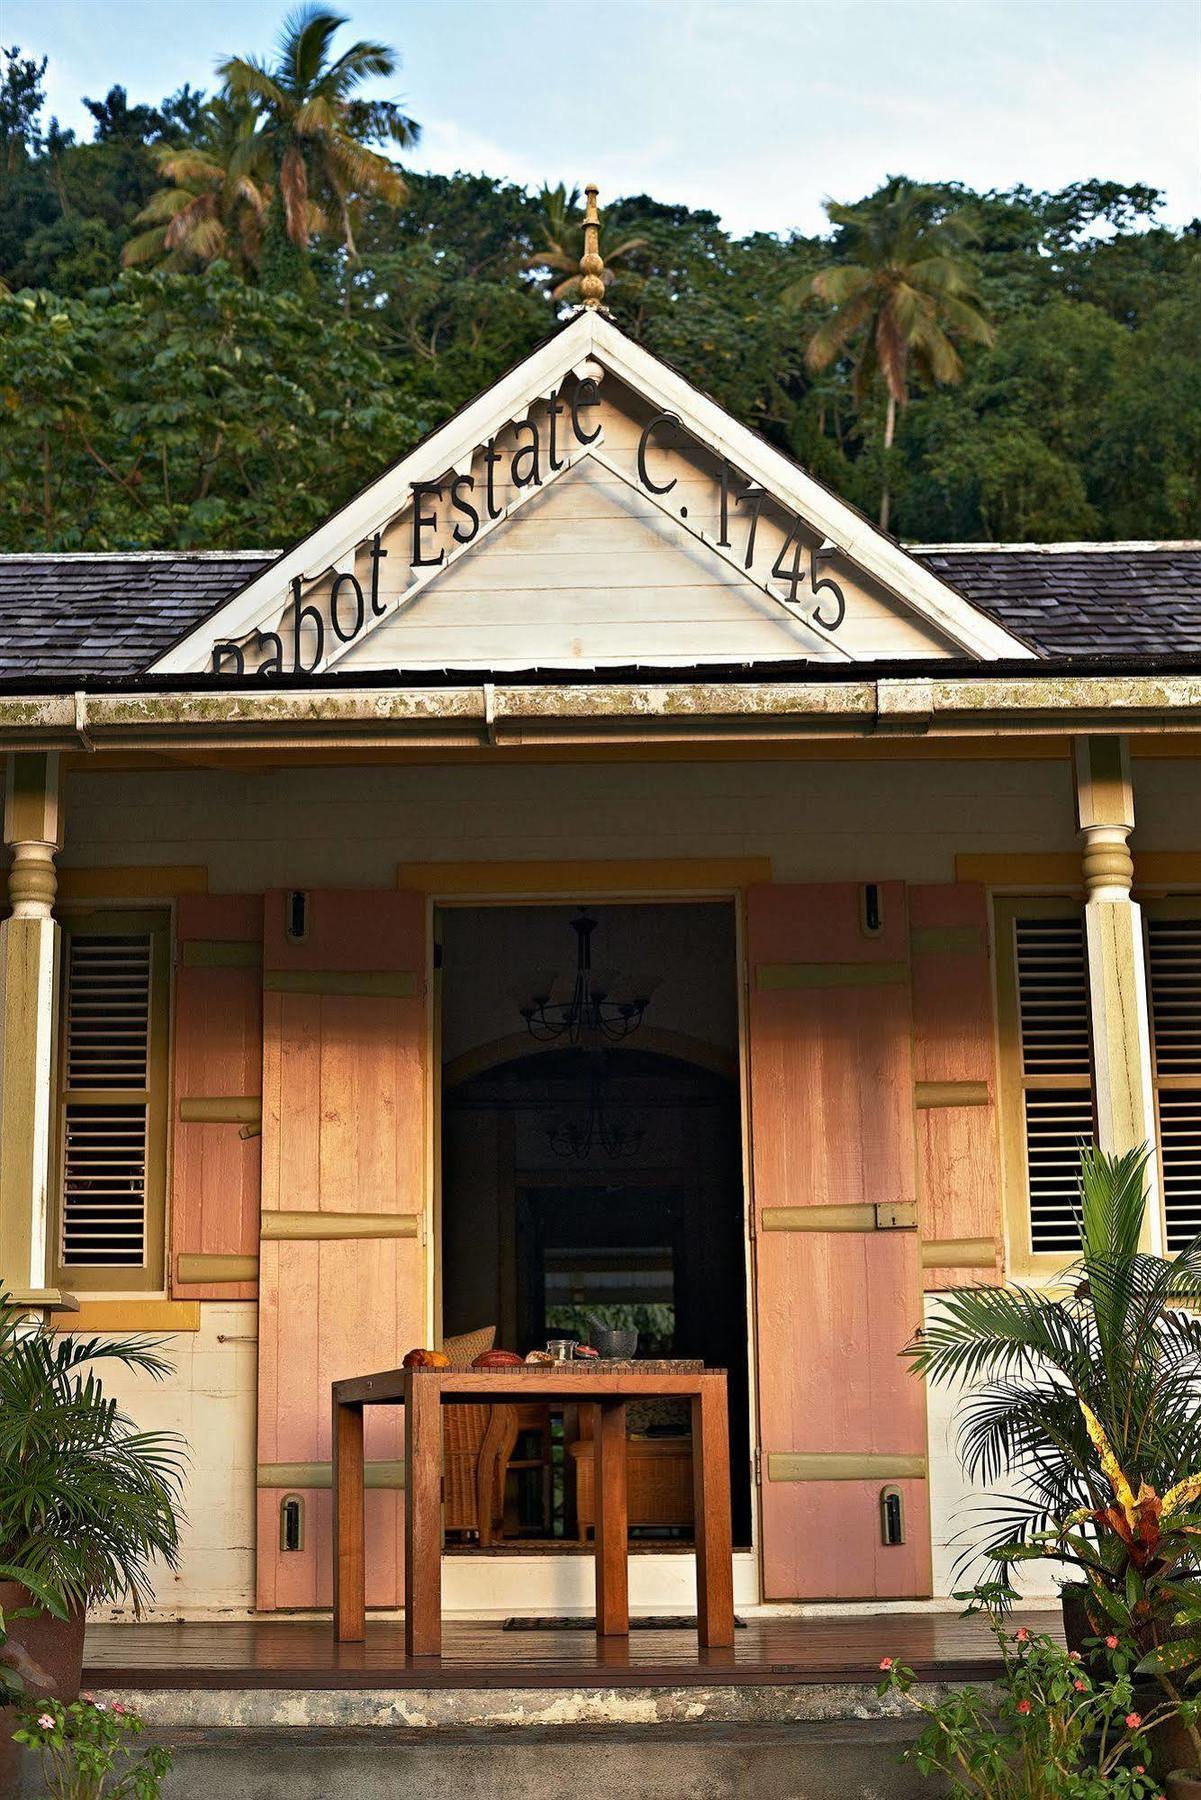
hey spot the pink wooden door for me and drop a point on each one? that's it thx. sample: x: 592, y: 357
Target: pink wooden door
x: 217, y: 1082
x: 832, y: 1123
x: 954, y: 1051
x: 344, y: 1134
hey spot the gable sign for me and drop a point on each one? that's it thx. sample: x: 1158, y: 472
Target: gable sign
x: 594, y: 520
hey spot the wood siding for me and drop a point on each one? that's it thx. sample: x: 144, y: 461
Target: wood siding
x: 344, y: 1131
x: 954, y: 1050
x: 832, y: 1122
x: 218, y: 1055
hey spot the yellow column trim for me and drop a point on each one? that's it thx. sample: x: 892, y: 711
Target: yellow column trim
x: 150, y: 881
x: 1153, y: 868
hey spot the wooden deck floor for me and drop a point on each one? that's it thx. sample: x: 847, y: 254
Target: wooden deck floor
x: 282, y: 1653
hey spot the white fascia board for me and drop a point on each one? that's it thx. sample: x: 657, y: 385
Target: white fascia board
x: 875, y: 553
x: 509, y: 398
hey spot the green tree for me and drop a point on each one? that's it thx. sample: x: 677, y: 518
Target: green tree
x: 319, y: 132
x: 902, y: 292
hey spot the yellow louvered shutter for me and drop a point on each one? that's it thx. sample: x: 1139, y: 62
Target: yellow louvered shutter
x: 1174, y: 961
x: 1055, y: 1071
x: 112, y: 1124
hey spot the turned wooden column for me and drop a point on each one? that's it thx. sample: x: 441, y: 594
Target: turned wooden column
x: 1117, y: 970
x: 29, y: 950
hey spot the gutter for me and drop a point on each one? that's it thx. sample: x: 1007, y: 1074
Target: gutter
x: 470, y: 715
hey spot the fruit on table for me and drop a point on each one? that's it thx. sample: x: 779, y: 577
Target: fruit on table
x: 497, y: 1359
x: 426, y: 1359
x: 539, y: 1358
x: 586, y: 1350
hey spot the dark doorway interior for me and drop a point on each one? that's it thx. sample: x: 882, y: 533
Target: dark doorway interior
x: 637, y: 1222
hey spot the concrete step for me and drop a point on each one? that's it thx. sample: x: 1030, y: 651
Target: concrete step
x: 837, y: 1760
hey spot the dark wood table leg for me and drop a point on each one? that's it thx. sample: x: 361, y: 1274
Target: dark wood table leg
x: 423, y: 1513
x: 350, y: 1596
x: 612, y: 1520
x: 711, y: 1503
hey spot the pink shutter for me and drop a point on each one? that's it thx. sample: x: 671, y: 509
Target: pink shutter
x: 831, y: 1080
x: 344, y: 1132
x: 954, y: 1048
x: 218, y: 1059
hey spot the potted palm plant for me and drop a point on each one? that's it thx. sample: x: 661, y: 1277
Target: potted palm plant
x: 1085, y: 1398
x: 86, y: 1500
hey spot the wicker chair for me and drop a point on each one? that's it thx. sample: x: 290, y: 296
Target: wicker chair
x: 477, y: 1442
x: 658, y: 1482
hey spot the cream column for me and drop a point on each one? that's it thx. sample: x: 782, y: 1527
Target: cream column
x: 29, y: 946
x: 1117, y: 969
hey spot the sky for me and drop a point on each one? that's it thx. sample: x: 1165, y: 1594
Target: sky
x: 757, y: 109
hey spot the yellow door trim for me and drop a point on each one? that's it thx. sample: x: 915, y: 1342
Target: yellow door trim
x: 228, y: 1109
x: 149, y: 881
x: 574, y: 880
x: 839, y: 1465
x: 959, y: 1253
x: 320, y: 1475
x: 786, y: 977
x: 209, y: 1266
x: 381, y: 984
x: 951, y: 1093
x: 133, y: 1315
x: 325, y: 1226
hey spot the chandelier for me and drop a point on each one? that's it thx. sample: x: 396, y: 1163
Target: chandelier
x: 603, y: 1006
x: 574, y: 1134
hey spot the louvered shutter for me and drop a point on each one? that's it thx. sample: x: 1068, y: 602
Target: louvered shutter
x: 1174, y: 957
x: 1056, y: 1072
x: 112, y: 1102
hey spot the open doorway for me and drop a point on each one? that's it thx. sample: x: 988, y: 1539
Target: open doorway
x: 592, y: 1176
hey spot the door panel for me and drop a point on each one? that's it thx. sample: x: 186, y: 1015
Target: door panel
x: 344, y: 1134
x: 831, y: 1083
x: 218, y: 1057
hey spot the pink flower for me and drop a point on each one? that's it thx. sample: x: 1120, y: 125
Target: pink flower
x: 1111, y: 1642
x: 118, y: 1708
x: 1134, y: 1720
x: 1140, y: 1768
x: 1021, y: 1636
x: 886, y: 1663
x: 1023, y: 1706
x: 1081, y: 1687
x: 1074, y: 1656
x: 90, y: 1698
x: 46, y: 1722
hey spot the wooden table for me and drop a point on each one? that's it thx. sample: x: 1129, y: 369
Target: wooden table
x: 422, y: 1393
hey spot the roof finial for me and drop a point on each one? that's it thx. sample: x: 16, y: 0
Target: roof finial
x: 592, y: 267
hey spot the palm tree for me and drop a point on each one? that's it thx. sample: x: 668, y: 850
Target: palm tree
x: 317, y: 130
x: 903, y: 293
x: 1117, y: 1349
x: 218, y: 196
x: 562, y: 229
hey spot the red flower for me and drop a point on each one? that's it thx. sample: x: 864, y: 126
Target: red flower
x: 118, y: 1708
x: 1111, y: 1642
x: 1134, y: 1720
x: 1081, y: 1687
x: 1023, y: 1706
x: 1021, y: 1636
x: 886, y: 1663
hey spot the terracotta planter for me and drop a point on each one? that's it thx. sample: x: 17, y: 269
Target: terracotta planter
x: 56, y: 1645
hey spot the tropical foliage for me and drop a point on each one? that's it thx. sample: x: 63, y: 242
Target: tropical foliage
x: 1087, y: 1401
x: 86, y: 1750
x: 1012, y: 365
x: 86, y: 1500
x: 1052, y: 1727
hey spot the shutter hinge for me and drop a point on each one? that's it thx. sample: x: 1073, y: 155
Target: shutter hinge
x: 758, y: 1466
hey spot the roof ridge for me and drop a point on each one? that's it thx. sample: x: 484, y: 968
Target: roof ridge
x: 1058, y: 548
x: 74, y: 556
